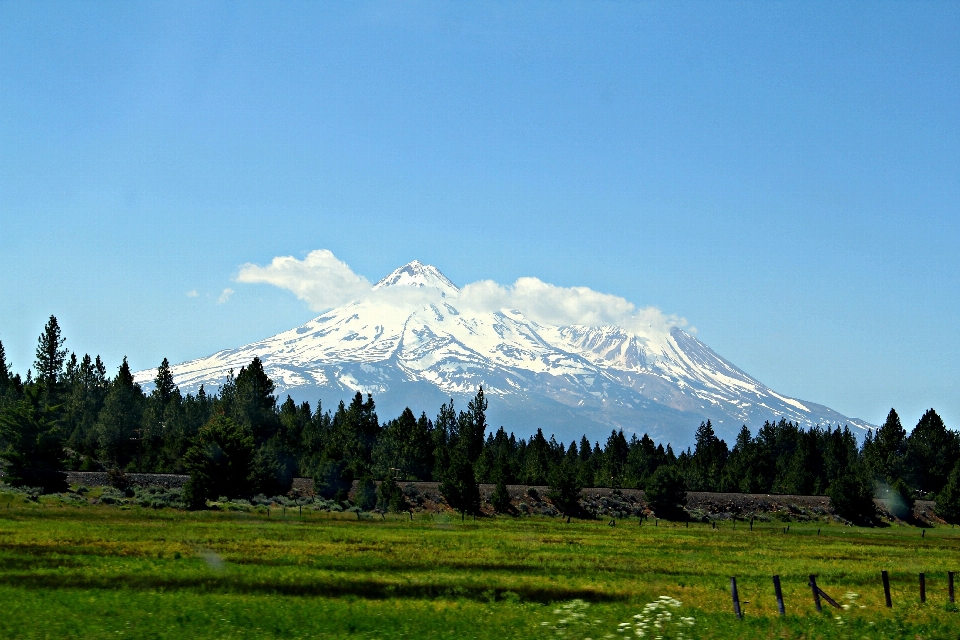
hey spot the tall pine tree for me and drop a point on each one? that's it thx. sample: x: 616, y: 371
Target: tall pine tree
x: 51, y: 354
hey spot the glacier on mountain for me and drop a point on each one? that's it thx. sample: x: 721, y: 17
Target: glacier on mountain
x: 411, y: 341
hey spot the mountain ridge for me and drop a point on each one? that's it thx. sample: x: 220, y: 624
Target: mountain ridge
x: 417, y: 340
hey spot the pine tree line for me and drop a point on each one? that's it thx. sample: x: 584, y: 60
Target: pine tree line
x: 240, y: 441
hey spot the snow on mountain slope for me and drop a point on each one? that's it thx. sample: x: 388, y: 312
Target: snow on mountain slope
x: 410, y: 344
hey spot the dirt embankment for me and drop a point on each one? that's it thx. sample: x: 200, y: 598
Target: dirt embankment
x: 598, y: 501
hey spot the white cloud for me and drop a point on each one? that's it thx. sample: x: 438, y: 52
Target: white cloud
x: 323, y: 282
x: 192, y: 294
x: 225, y: 295
x: 320, y: 279
x: 550, y: 304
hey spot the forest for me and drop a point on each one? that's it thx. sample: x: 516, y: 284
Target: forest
x: 67, y: 413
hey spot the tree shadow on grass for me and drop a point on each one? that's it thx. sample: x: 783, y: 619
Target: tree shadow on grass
x: 368, y: 589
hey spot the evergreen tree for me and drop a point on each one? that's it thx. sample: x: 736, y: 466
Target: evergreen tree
x: 253, y: 403
x: 459, y: 485
x: 885, y: 454
x: 5, y: 373
x: 666, y: 492
x: 851, y: 496
x: 804, y: 469
x: 273, y: 468
x: 643, y: 460
x: 565, y: 488
x: 332, y: 478
x: 219, y: 462
x: 34, y: 445
x: 471, y: 427
x: 948, y: 500
x: 366, y: 494
x: 404, y: 444
x: 537, y: 460
x: 708, y: 459
x: 315, y: 432
x: 444, y: 438
x: 741, y: 473
x: 901, y: 500
x: 612, y: 470
x: 931, y: 453
x: 84, y: 400
x: 118, y: 425
x: 51, y: 355
x: 11, y: 387
x: 162, y: 423
x: 390, y: 496
x: 501, y: 498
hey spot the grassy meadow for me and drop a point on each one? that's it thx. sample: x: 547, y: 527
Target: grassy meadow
x: 106, y: 571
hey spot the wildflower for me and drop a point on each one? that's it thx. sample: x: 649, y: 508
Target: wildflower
x: 657, y: 618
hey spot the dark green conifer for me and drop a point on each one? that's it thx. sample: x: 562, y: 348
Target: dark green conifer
x: 666, y: 492
x: 219, y: 462
x: 931, y: 453
x: 948, y: 500
x: 34, y: 444
x: 459, y: 485
x: 51, y: 355
x: 565, y: 488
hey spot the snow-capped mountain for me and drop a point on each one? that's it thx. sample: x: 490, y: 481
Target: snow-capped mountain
x: 412, y: 341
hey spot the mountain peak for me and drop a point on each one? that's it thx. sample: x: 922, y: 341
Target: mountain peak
x: 417, y: 274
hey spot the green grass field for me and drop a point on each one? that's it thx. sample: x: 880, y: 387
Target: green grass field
x: 101, y: 571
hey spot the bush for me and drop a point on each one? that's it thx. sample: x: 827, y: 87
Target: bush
x: 458, y: 485
x: 332, y: 479
x: 219, y: 461
x: 901, y: 500
x: 666, y: 492
x: 501, y: 498
x: 272, y: 469
x: 390, y: 496
x: 565, y: 489
x: 852, y: 498
x: 366, y: 496
x: 948, y: 500
x: 117, y: 478
x: 34, y: 446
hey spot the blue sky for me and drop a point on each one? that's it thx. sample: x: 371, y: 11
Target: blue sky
x: 785, y: 176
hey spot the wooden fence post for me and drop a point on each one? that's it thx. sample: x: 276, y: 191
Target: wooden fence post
x: 923, y: 588
x: 736, y: 597
x: 886, y: 587
x: 779, y: 593
x: 816, y: 592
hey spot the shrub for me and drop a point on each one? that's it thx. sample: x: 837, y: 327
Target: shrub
x: 565, y: 489
x: 366, y: 496
x: 852, y: 498
x: 901, y: 500
x: 117, y: 478
x: 948, y: 500
x: 666, y: 491
x: 332, y: 479
x: 501, y: 498
x: 390, y: 496
x: 459, y: 486
x: 34, y: 446
x: 219, y: 461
